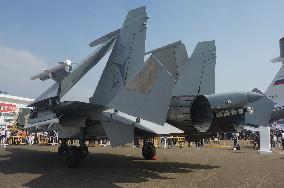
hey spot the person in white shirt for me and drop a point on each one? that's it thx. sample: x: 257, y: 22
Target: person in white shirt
x: 3, y: 137
x: 8, y: 134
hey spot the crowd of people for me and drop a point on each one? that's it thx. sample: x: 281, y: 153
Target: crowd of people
x: 23, y: 137
x: 276, y: 137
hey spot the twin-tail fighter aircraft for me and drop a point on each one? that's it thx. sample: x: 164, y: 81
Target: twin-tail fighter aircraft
x: 131, y: 99
x: 143, y: 99
x: 195, y: 108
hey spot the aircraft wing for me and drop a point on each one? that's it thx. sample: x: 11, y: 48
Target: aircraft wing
x: 88, y: 63
x: 61, y: 88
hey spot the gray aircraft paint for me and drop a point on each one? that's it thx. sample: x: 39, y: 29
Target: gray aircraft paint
x: 152, y: 93
x: 86, y: 65
x: 118, y: 132
x: 129, y: 48
x: 262, y: 111
x: 126, y: 58
x: 104, y: 38
x: 197, y: 75
x: 230, y: 100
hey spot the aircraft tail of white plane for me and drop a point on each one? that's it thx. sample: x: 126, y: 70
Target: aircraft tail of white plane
x: 197, y: 73
x: 275, y: 91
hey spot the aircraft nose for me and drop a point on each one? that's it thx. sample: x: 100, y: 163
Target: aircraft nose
x: 252, y: 96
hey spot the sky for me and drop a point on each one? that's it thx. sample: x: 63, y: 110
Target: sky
x: 35, y: 34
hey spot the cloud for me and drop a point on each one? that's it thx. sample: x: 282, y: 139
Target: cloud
x: 16, y: 68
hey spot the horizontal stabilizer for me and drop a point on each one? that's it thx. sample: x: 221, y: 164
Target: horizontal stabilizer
x: 141, y: 123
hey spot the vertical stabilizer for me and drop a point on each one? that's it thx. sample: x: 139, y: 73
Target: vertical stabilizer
x: 197, y: 75
x: 126, y: 58
x: 275, y: 90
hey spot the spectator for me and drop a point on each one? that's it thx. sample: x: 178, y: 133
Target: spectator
x: 8, y: 134
x: 31, y: 139
x: 24, y: 136
x: 235, y: 139
x: 273, y: 140
x: 216, y: 140
x: 170, y: 142
x: 3, y: 137
x: 197, y: 144
x: 56, y: 137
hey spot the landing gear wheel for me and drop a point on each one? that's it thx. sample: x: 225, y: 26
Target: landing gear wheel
x: 148, y: 150
x: 73, y: 156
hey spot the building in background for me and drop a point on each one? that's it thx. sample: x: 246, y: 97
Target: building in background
x: 11, y: 107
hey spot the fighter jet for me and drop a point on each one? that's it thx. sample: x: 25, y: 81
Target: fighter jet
x: 196, y: 108
x: 132, y: 96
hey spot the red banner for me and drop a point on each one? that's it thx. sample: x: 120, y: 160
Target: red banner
x: 6, y: 107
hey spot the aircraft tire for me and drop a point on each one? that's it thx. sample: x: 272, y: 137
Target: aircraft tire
x: 73, y: 156
x: 148, y: 150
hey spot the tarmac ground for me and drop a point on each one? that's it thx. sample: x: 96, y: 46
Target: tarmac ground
x: 41, y: 166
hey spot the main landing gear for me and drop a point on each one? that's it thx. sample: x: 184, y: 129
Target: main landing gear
x: 149, y: 151
x: 74, y: 154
